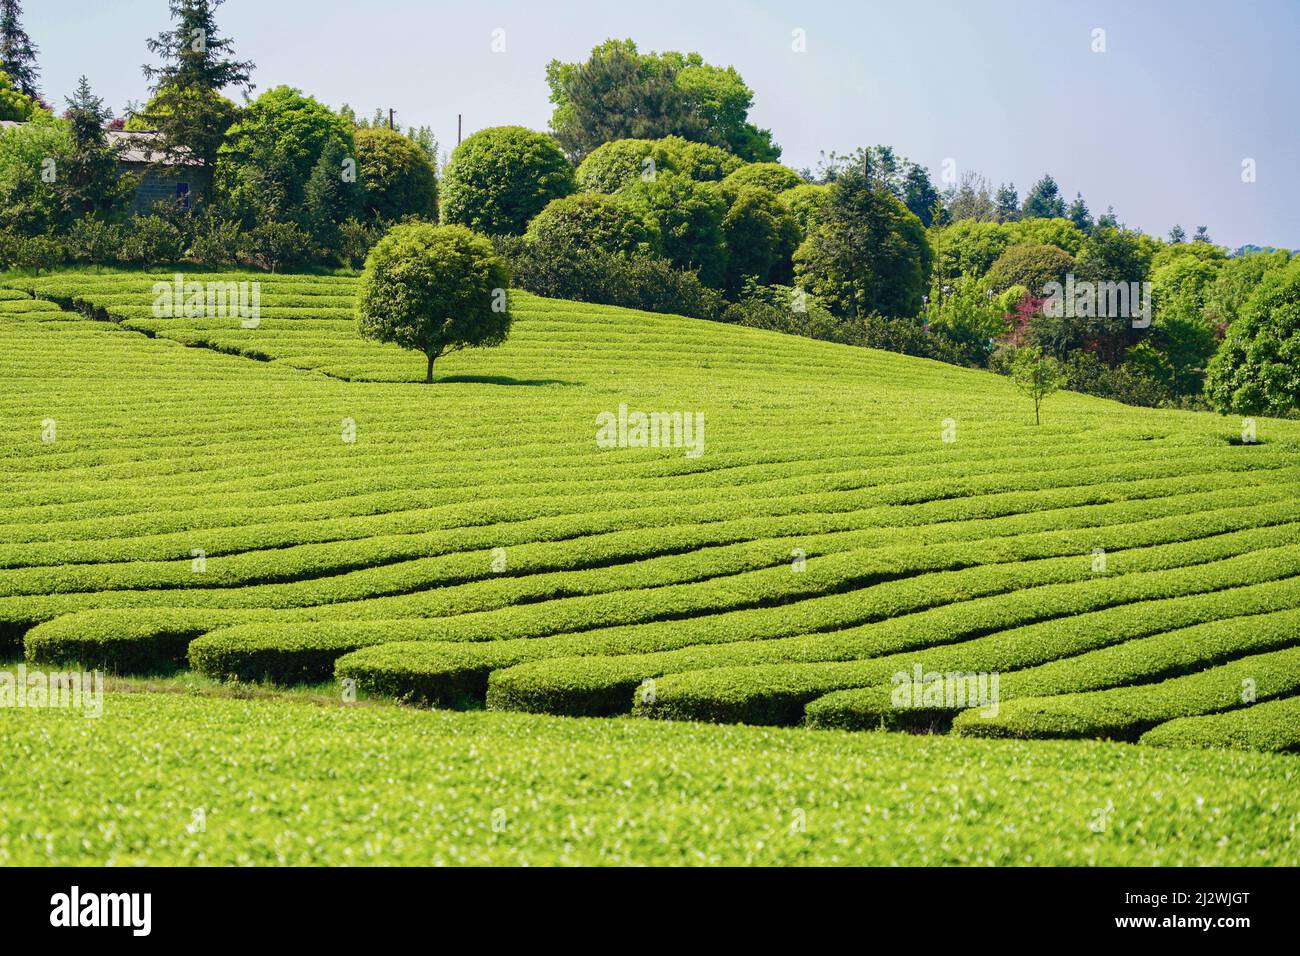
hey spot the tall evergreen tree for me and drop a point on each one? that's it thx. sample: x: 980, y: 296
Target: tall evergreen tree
x: 1177, y: 235
x: 17, y: 52
x: 1202, y: 234
x: 1007, y: 202
x: 1108, y: 219
x: 187, y: 107
x: 1079, y: 215
x: 89, y: 182
x: 1044, y: 201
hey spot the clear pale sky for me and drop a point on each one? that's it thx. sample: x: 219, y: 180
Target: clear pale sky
x: 1158, y: 125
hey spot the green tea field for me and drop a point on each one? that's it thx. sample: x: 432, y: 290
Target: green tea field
x: 870, y: 554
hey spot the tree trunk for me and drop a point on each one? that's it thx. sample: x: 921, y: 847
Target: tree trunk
x: 428, y: 376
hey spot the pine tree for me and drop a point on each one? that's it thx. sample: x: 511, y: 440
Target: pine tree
x: 1108, y: 220
x: 187, y: 107
x: 90, y: 182
x: 1202, y: 234
x: 1008, y: 203
x: 1044, y: 201
x: 330, y: 197
x: 1177, y: 235
x: 17, y: 52
x: 1079, y: 215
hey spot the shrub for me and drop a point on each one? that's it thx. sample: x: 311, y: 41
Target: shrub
x: 356, y: 239
x: 620, y: 162
x: 121, y: 641
x: 434, y: 289
x: 153, y: 240
x: 37, y: 253
x: 1129, y: 383
x: 273, y: 245
x: 592, y: 221
x: 91, y: 239
x: 1145, y: 650
x: 557, y: 269
x: 1032, y: 265
x: 14, y: 106
x: 216, y: 240
x: 500, y: 178
x: 702, y: 162
x: 397, y: 177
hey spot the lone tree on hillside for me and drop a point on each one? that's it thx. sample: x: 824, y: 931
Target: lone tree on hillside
x: 1036, y: 376
x: 434, y: 289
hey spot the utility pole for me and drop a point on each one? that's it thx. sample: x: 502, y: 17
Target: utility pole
x: 458, y: 129
x: 390, y: 118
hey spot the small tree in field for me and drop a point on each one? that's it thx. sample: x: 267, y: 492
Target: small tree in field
x: 1036, y: 375
x: 434, y: 289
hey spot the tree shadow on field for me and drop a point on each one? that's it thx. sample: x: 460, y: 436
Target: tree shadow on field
x: 498, y: 380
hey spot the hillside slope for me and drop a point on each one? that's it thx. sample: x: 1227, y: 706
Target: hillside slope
x: 849, y: 515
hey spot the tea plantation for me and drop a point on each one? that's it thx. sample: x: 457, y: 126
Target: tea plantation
x: 279, y: 501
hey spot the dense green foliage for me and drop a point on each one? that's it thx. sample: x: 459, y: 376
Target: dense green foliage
x: 867, y: 254
x: 500, y: 178
x: 14, y: 105
x: 592, y: 221
x: 269, y: 154
x: 398, y: 178
x: 285, y: 783
x: 688, y: 216
x: 620, y: 93
x: 1258, y: 368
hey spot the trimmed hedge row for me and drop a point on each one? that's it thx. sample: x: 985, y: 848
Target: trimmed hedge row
x: 120, y: 641
x: 993, y: 493
x: 1125, y: 713
x: 1170, y: 653
x: 777, y: 694
x: 594, y: 672
x: 838, y: 573
x: 1272, y: 726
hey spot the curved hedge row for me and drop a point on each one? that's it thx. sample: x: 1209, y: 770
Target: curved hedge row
x: 1125, y: 713
x: 1135, y: 661
x: 1272, y: 726
x: 770, y: 681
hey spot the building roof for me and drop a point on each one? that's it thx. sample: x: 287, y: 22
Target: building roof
x: 135, y: 146
x: 140, y: 146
